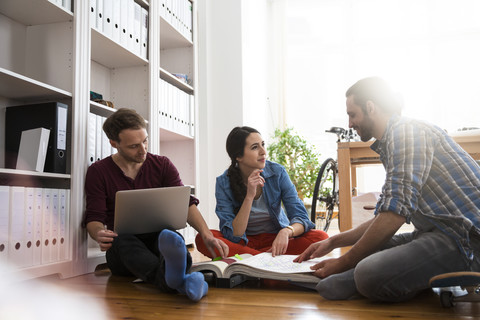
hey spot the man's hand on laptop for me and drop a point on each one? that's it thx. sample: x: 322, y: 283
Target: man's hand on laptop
x: 105, y: 238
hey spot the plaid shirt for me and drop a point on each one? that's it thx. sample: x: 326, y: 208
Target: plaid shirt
x: 430, y: 180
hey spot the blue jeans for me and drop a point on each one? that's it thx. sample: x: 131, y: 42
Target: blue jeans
x: 138, y: 255
x: 401, y: 269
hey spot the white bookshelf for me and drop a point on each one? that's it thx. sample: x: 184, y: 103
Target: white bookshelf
x: 55, y: 55
x: 47, y: 29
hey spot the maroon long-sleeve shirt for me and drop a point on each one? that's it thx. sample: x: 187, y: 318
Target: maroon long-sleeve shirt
x: 104, y: 178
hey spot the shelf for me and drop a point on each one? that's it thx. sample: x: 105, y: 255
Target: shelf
x: 167, y: 135
x: 101, y: 109
x: 34, y: 12
x: 112, y: 54
x: 16, y: 86
x: 171, y: 38
x: 170, y: 78
x: 6, y: 171
x: 62, y: 268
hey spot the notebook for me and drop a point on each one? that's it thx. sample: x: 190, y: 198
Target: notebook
x: 148, y: 210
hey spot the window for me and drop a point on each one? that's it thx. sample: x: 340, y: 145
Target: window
x: 427, y: 50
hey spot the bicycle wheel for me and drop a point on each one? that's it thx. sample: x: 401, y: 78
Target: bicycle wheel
x: 325, y: 194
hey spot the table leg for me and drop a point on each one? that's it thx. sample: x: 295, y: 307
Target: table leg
x: 345, y: 187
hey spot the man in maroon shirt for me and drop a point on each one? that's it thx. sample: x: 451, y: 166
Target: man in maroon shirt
x: 161, y: 257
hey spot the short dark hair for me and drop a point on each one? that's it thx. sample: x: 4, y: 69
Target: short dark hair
x: 122, y: 119
x: 376, y: 90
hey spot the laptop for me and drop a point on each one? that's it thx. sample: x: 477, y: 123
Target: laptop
x: 148, y: 210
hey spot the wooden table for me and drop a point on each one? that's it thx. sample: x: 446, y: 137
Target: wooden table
x: 354, y: 154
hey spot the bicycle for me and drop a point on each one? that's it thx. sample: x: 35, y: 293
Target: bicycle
x: 325, y: 193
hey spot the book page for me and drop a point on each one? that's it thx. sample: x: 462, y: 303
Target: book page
x: 218, y: 266
x: 280, y: 264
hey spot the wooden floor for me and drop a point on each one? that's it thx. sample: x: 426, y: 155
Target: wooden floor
x: 120, y: 298
x: 99, y: 296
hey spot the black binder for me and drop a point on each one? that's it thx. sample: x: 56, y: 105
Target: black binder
x: 50, y: 115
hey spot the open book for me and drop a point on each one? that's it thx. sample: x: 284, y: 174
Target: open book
x: 234, y: 270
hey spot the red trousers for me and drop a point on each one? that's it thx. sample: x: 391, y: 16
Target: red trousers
x: 262, y: 243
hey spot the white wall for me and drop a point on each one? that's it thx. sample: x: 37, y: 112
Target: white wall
x: 219, y: 92
x: 233, y: 66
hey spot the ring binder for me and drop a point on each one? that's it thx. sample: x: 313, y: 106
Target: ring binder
x: 50, y: 115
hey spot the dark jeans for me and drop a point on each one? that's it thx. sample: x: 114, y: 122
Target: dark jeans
x: 138, y: 255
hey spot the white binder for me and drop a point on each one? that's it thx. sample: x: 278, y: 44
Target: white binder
x: 17, y: 226
x: 144, y: 34
x: 169, y: 105
x: 63, y: 224
x: 46, y: 227
x: 137, y: 27
x: 67, y: 4
x: 29, y: 226
x: 192, y: 115
x: 33, y: 149
x: 124, y: 23
x: 99, y: 22
x: 4, y: 222
x: 106, y: 147
x: 55, y: 224
x: 163, y: 9
x: 37, y: 226
x: 131, y: 25
x: 116, y: 29
x: 91, y: 136
x: 108, y: 18
x: 98, y: 137
x: 93, y: 14
x: 161, y: 107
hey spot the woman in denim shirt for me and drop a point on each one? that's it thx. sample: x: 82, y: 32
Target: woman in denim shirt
x: 250, y: 194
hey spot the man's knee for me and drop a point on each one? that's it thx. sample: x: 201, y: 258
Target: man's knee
x: 367, y: 280
x: 379, y: 285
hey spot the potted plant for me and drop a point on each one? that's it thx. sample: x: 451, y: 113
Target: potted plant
x: 299, y: 159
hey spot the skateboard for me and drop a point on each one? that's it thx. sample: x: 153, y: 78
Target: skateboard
x: 455, y: 287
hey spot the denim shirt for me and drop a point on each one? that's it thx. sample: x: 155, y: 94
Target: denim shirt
x: 278, y: 189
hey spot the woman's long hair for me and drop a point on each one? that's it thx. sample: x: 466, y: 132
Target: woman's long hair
x: 235, y: 149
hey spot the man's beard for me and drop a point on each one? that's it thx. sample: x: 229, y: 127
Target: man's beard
x: 365, y: 129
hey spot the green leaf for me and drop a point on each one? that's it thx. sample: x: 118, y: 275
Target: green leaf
x: 299, y: 158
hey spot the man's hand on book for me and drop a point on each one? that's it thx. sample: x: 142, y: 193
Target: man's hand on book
x: 328, y: 267
x: 315, y: 250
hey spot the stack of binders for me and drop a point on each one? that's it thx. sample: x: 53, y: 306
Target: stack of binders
x: 123, y: 21
x: 33, y: 226
x: 98, y: 144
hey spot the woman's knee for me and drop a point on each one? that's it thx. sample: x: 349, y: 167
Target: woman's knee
x: 315, y: 235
